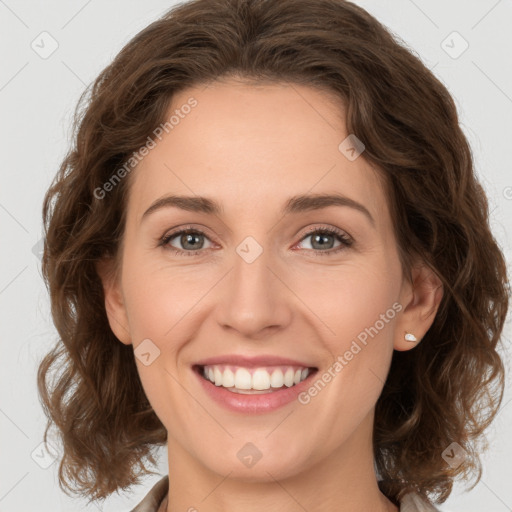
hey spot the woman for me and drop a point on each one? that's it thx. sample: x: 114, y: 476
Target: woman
x: 269, y: 251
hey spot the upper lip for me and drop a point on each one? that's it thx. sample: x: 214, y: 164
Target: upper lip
x: 252, y: 362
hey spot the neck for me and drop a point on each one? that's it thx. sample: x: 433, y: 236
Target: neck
x: 345, y: 481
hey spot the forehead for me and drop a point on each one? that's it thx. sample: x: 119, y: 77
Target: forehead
x: 251, y: 145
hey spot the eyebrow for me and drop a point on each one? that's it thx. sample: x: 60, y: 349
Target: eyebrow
x: 294, y: 205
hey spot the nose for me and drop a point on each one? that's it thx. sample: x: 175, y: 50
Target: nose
x: 254, y: 298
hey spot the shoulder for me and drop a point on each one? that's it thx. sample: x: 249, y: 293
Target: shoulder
x: 410, y: 502
x: 413, y: 502
x: 154, y: 497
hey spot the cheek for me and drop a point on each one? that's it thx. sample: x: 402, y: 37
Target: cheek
x: 350, y: 298
x: 353, y: 307
x: 357, y: 315
x: 158, y: 298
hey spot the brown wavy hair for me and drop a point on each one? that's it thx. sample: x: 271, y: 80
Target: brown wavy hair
x: 448, y: 389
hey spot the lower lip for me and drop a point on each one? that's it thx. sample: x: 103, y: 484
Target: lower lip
x: 256, y: 403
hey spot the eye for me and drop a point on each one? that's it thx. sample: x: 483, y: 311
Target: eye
x: 191, y: 241
x: 322, y: 240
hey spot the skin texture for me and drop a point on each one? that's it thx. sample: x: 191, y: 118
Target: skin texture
x: 251, y: 148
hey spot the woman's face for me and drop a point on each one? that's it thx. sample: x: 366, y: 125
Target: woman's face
x: 258, y: 279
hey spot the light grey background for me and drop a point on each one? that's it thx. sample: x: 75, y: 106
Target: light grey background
x: 37, y: 98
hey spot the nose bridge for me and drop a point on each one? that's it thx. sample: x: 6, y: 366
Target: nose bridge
x: 251, y: 272
x: 252, y: 300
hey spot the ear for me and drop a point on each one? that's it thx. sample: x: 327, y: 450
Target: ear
x: 420, y: 296
x: 114, y: 301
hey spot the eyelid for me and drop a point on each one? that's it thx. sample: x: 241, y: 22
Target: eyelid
x: 346, y: 240
x: 169, y: 235
x: 330, y: 229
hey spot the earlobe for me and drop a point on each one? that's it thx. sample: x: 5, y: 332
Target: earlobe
x: 114, y: 303
x: 424, y: 294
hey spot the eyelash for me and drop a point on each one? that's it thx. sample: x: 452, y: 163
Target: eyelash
x: 345, y: 240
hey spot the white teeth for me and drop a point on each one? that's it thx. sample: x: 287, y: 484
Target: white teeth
x: 218, y: 376
x: 277, y: 379
x: 288, y: 377
x: 260, y: 380
x: 240, y: 379
x: 228, y: 379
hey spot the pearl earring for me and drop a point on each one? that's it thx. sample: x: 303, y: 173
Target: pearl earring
x: 410, y: 337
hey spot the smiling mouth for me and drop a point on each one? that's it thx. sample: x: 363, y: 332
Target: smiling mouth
x: 239, y: 379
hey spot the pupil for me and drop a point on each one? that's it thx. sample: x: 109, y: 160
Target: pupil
x: 188, y: 237
x: 319, y: 237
